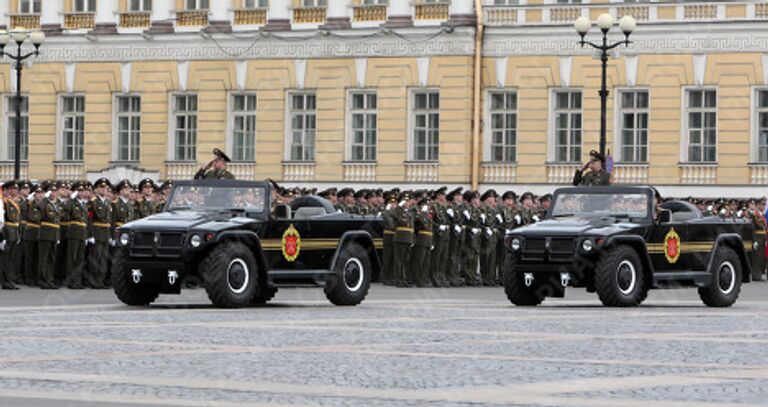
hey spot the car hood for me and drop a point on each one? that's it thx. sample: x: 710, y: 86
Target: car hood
x: 186, y: 220
x: 576, y: 226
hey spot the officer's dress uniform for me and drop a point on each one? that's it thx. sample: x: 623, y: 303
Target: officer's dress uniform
x: 422, y: 245
x: 61, y: 250
x: 101, y: 224
x: 488, y: 243
x: 11, y: 231
x: 47, y: 241
x: 144, y: 207
x: 510, y: 219
x: 403, y: 240
x: 389, y: 223
x: 213, y: 174
x: 441, y: 239
x: 471, y: 244
x: 77, y: 234
x: 29, y: 239
x: 456, y: 247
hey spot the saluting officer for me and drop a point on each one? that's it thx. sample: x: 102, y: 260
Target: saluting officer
x: 10, y: 266
x: 217, y: 168
x: 101, y: 224
x: 49, y: 236
x: 77, y: 235
x: 592, y: 174
x: 441, y: 238
x: 30, y: 235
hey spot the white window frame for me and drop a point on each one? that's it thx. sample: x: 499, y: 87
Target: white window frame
x: 289, y: 112
x: 144, y: 5
x: 488, y: 124
x: 86, y: 6
x: 232, y: 114
x: 5, y: 123
x: 254, y: 4
x: 314, y: 3
x: 412, y: 123
x: 172, y: 126
x: 754, y: 128
x: 116, y: 125
x: 617, y: 123
x: 198, y: 4
x: 30, y: 9
x: 349, y: 130
x: 552, y: 136
x: 684, y: 136
x: 60, y: 125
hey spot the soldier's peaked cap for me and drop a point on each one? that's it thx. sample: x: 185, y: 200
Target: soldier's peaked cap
x: 124, y: 184
x: 101, y: 182
x: 455, y: 192
x: 491, y: 193
x: 509, y: 195
x: 595, y: 155
x: 25, y: 184
x: 38, y: 188
x: 545, y: 197
x: 441, y: 191
x: 221, y: 155
x: 526, y: 195
x: 10, y: 184
x: 470, y: 195
x: 145, y: 182
x: 166, y: 184
x: 78, y: 186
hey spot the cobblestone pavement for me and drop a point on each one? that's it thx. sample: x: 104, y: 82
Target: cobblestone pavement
x: 417, y: 347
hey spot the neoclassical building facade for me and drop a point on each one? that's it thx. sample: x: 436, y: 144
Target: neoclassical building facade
x: 377, y: 92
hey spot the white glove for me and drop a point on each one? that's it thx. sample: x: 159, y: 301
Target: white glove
x: 112, y: 242
x: 466, y: 214
x: 475, y: 231
x: 425, y: 208
x: 74, y: 195
x: 536, y: 218
x: 90, y: 240
x: 432, y: 248
x: 457, y: 228
x: 518, y: 219
x: 443, y: 228
x: 58, y: 242
x: 2, y: 245
x: 499, y: 218
x: 488, y: 232
x: 449, y: 212
x: 508, y: 231
x: 482, y: 217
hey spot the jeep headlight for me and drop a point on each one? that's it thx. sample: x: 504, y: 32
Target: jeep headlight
x: 515, y: 243
x: 195, y: 240
x: 586, y: 245
x: 125, y: 238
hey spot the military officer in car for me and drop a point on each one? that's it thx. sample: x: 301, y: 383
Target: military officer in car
x: 217, y: 168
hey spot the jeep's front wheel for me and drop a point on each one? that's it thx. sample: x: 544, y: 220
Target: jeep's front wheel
x: 230, y: 274
x: 128, y: 291
x: 725, y: 287
x: 619, y: 278
x: 349, y: 283
x: 518, y: 293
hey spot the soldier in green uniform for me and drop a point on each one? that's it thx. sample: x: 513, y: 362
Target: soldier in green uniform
x: 510, y: 219
x: 528, y: 209
x: 77, y: 235
x: 48, y: 237
x: 592, y: 174
x: 146, y: 205
x: 217, y: 168
x: 422, y: 243
x: 544, y: 203
x: 403, y: 239
x: 455, y: 252
x: 30, y: 235
x: 389, y: 221
x: 473, y: 228
x: 63, y: 202
x: 346, y: 202
x: 10, y: 267
x: 165, y: 194
x: 361, y: 202
x: 101, y: 224
x: 441, y: 238
x: 488, y: 238
x: 123, y: 207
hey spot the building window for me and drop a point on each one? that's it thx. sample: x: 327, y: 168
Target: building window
x: 363, y: 126
x: 10, y: 113
x: 256, y: 3
x: 426, y: 125
x: 567, y: 116
x: 506, y: 2
x: 375, y: 2
x: 84, y: 6
x: 29, y: 6
x: 762, y: 125
x: 196, y: 4
x: 303, y: 124
x: 314, y: 3
x: 701, y: 113
x: 140, y: 5
x: 128, y: 128
x: 633, y: 125
x: 185, y: 127
x: 72, y: 127
x: 503, y: 114
x: 243, y: 127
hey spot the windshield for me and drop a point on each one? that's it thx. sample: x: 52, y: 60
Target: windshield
x: 217, y: 198
x: 586, y: 205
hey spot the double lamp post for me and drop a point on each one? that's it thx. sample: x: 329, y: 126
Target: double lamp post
x: 19, y: 36
x: 604, y: 22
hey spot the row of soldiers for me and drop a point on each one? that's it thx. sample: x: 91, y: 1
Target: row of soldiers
x: 62, y: 233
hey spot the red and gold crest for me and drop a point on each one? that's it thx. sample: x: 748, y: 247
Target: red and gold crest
x: 291, y: 244
x: 672, y: 246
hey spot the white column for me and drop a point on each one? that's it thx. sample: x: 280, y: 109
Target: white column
x: 50, y: 17
x: 399, y: 14
x: 106, y: 19
x: 337, y: 15
x: 161, y: 16
x: 278, y: 16
x: 4, y: 11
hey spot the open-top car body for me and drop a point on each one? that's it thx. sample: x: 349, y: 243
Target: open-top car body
x: 618, y: 242
x: 229, y: 234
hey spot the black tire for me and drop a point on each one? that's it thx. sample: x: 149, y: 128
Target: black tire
x: 349, y: 283
x: 619, y: 278
x: 726, y: 279
x: 231, y: 275
x: 518, y: 293
x: 127, y: 291
x: 262, y: 298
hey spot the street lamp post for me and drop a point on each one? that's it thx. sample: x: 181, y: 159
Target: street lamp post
x: 37, y: 38
x: 604, y: 22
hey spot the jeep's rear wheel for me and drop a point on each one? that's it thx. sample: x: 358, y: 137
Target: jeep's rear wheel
x: 230, y: 274
x: 725, y: 287
x: 349, y: 283
x: 128, y: 291
x: 518, y: 293
x: 619, y: 278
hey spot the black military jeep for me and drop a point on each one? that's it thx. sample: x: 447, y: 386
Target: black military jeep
x: 614, y: 240
x: 230, y: 235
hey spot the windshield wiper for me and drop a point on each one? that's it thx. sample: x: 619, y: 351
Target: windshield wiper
x: 564, y: 215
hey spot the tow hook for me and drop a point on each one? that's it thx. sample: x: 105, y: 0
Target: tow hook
x: 565, y: 279
x: 136, y: 275
x: 528, y: 277
x: 172, y: 276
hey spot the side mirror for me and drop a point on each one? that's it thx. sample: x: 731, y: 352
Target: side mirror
x: 665, y: 216
x: 283, y: 212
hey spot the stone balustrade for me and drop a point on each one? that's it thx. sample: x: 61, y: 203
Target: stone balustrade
x: 499, y: 173
x: 69, y: 171
x: 360, y: 171
x: 298, y: 171
x: 700, y: 12
x: 627, y: 173
x: 192, y: 18
x: 431, y: 11
x: 7, y: 170
x: 698, y: 174
x: 79, y: 21
x: 422, y: 171
x: 25, y: 21
x: 309, y: 15
x: 242, y: 170
x: 251, y: 16
x: 561, y: 173
x: 363, y: 13
x: 135, y: 19
x: 758, y: 174
x: 180, y: 170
